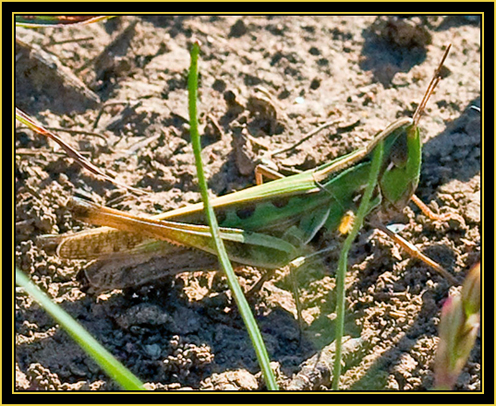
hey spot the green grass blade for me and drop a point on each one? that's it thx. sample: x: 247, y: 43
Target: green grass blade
x: 343, y: 259
x: 245, y: 311
x: 105, y: 359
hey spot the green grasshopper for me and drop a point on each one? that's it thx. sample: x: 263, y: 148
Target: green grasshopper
x: 266, y: 226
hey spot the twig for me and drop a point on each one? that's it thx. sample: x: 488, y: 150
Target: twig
x: 66, y: 130
x: 68, y: 41
x: 81, y: 160
x: 306, y: 137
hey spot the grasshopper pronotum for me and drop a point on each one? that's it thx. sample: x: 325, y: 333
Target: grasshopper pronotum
x: 266, y: 226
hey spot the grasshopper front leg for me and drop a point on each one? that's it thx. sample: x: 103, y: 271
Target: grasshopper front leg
x: 414, y: 252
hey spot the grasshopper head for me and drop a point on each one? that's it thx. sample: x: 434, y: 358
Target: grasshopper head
x: 401, y: 168
x: 403, y: 152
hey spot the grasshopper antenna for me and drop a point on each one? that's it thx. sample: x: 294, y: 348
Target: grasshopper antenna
x: 430, y: 89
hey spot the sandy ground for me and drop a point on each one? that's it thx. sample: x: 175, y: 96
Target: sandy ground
x: 125, y: 81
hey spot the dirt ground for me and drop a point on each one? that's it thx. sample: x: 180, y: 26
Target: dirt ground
x: 125, y: 81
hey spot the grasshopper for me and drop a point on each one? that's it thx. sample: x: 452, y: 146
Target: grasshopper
x: 266, y: 226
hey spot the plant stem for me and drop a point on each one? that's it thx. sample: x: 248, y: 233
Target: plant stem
x: 343, y: 259
x: 244, y: 308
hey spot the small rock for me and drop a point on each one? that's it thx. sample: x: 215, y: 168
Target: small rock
x: 238, y: 29
x: 153, y: 350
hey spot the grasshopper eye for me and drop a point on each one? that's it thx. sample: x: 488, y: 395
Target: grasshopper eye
x: 399, y: 152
